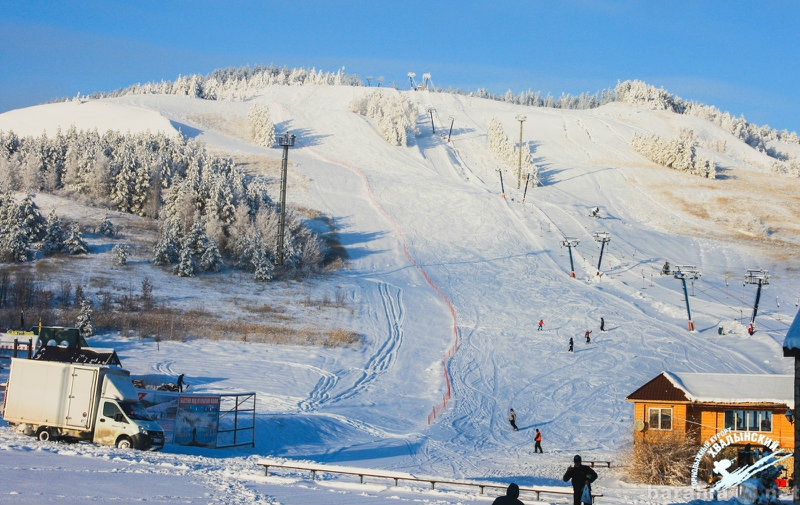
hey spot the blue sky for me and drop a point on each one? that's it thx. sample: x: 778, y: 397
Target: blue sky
x: 740, y: 56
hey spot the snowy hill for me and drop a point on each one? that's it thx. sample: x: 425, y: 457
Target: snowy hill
x: 444, y: 271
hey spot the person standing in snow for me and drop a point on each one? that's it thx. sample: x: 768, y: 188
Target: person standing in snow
x: 588, y: 338
x: 571, y: 344
x: 541, y: 325
x: 581, y: 475
x: 180, y: 383
x: 512, y: 418
x: 511, y: 497
x: 538, y: 440
x: 602, y: 324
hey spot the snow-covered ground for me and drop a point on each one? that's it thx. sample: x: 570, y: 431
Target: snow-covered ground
x: 441, y: 265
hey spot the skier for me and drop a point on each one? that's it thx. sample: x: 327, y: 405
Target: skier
x: 538, y: 440
x: 595, y: 211
x: 581, y: 476
x: 180, y: 383
x: 571, y: 344
x: 512, y: 418
x: 541, y: 325
x: 665, y: 268
x: 588, y: 339
x: 511, y: 497
x: 602, y: 324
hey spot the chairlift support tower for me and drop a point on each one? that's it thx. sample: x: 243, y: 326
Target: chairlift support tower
x: 569, y: 243
x: 760, y: 277
x: 286, y: 141
x: 411, y: 76
x: 603, y: 237
x: 684, y: 272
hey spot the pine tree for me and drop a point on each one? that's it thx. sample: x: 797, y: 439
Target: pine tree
x: 186, y: 266
x: 73, y: 242
x: 14, y: 245
x: 54, y: 234
x: 84, y: 321
x: 166, y: 250
x: 107, y: 228
x: 120, y: 253
x: 29, y: 216
x: 211, y: 259
x: 261, y: 126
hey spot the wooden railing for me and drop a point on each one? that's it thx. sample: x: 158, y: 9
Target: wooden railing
x: 397, y: 477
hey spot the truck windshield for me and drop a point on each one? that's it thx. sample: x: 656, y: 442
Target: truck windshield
x: 136, y: 411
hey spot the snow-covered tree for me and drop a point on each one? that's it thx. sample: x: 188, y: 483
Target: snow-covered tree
x: 120, y: 253
x: 678, y: 153
x: 53, y: 240
x: 84, y: 321
x: 73, y: 240
x: 261, y: 127
x: 14, y: 244
x: 395, y: 113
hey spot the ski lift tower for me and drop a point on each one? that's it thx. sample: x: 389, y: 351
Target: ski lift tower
x: 759, y: 277
x: 427, y: 83
x: 603, y: 237
x: 569, y: 243
x: 684, y: 272
x: 286, y: 141
x: 411, y: 76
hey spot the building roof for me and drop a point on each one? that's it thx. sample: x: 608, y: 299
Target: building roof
x: 718, y: 388
x: 791, y: 344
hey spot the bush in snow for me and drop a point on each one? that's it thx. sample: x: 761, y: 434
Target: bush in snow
x: 261, y: 127
x: 396, y: 115
x: 664, y: 460
x: 678, y: 153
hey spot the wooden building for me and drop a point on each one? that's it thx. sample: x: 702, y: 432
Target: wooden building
x: 700, y: 405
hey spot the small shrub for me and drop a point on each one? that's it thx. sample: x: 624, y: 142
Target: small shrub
x: 661, y: 460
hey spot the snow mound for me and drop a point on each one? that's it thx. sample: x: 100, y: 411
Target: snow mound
x: 84, y: 115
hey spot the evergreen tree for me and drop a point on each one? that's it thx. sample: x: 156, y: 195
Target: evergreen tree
x: 73, y: 241
x: 211, y: 259
x: 29, y: 216
x: 186, y: 266
x: 14, y: 245
x: 54, y: 234
x: 84, y: 321
x: 120, y: 253
x: 166, y: 250
x: 107, y: 228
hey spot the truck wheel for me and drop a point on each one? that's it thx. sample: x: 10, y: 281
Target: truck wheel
x: 44, y: 434
x: 124, y: 443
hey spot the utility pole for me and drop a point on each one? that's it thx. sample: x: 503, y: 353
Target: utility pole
x: 521, y: 118
x: 684, y: 272
x: 286, y: 141
x: 603, y: 237
x: 569, y: 243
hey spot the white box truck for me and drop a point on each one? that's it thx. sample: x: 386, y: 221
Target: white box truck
x: 52, y: 400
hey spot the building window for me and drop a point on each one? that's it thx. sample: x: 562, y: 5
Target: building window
x: 660, y: 419
x: 748, y: 420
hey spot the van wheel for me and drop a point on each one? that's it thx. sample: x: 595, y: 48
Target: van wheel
x: 44, y: 434
x: 124, y: 443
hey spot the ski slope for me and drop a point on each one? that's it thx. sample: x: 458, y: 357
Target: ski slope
x: 447, y: 278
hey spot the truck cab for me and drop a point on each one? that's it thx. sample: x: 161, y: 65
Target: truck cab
x: 127, y: 425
